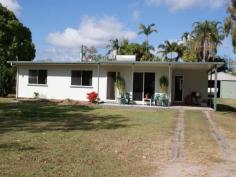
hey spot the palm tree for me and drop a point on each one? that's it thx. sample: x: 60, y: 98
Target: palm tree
x: 168, y: 47
x: 113, y: 46
x: 230, y: 23
x: 207, y: 36
x: 186, y: 36
x: 147, y: 31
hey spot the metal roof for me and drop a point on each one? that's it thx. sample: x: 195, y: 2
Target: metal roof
x: 111, y: 63
x: 224, y: 76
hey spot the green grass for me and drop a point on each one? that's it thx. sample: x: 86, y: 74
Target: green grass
x: 226, y: 119
x: 47, y: 139
x: 200, y: 144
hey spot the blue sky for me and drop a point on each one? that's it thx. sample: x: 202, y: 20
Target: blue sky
x: 59, y: 27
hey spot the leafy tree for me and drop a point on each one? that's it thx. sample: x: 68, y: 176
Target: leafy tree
x: 139, y: 50
x: 230, y: 23
x: 168, y: 47
x: 90, y: 53
x: 15, y: 44
x: 207, y: 36
x: 113, y: 46
x: 189, y: 56
x: 147, y: 31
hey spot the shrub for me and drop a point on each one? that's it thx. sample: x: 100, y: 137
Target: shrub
x: 164, y: 83
x: 92, y: 97
x: 120, y: 84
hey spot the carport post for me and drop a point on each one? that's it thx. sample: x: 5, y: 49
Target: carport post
x: 215, y: 89
x: 132, y: 81
x: 98, y: 77
x: 170, y: 85
x: 17, y: 81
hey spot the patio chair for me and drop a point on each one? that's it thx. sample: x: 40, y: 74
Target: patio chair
x: 161, y: 99
x: 125, y: 98
x: 165, y: 100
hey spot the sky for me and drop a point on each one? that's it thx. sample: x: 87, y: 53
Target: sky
x: 60, y: 27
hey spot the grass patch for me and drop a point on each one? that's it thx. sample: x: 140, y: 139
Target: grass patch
x: 200, y: 144
x: 226, y: 120
x: 46, y: 139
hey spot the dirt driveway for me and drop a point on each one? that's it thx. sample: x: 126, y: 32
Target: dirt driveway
x: 200, y: 148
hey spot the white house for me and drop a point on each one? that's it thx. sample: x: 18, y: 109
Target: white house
x: 73, y: 80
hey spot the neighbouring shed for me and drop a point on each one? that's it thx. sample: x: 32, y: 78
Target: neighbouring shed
x: 226, y: 86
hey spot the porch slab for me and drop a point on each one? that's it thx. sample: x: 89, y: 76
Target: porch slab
x: 136, y: 106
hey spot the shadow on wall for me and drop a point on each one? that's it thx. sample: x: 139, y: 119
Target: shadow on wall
x: 46, y: 116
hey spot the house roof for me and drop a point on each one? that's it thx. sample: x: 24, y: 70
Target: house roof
x: 179, y: 65
x: 224, y: 76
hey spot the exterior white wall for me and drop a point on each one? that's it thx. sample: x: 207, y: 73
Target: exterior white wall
x: 125, y: 72
x: 194, y: 81
x: 159, y: 72
x: 58, y: 83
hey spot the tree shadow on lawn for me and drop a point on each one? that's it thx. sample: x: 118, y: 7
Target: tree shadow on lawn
x: 16, y: 147
x: 46, y: 116
x: 226, y: 108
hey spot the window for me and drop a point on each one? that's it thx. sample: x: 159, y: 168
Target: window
x: 81, y: 78
x: 37, y: 76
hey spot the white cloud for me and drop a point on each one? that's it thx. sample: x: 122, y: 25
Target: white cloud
x: 92, y: 32
x: 59, y: 54
x: 176, y: 5
x: 136, y: 15
x: 12, y: 5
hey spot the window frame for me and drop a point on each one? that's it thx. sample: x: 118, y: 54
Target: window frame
x: 37, y: 77
x: 81, y: 79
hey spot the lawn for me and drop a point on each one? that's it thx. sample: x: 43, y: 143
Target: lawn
x: 48, y: 139
x: 226, y: 119
x: 51, y: 139
x: 200, y: 145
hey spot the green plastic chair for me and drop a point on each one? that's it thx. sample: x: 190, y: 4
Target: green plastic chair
x: 125, y: 98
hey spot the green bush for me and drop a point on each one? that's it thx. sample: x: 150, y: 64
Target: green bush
x: 164, y: 83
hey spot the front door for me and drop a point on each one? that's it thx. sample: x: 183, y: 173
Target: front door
x: 111, y: 78
x: 179, y: 81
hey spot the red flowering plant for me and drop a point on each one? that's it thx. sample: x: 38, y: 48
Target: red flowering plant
x: 92, y: 97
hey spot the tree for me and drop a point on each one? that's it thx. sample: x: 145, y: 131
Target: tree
x: 113, y: 46
x: 230, y: 23
x: 147, y: 31
x: 207, y: 36
x: 15, y: 44
x: 139, y: 50
x: 186, y: 36
x: 168, y: 47
x: 90, y: 53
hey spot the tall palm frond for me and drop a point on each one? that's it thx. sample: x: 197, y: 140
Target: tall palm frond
x: 230, y: 23
x: 147, y: 31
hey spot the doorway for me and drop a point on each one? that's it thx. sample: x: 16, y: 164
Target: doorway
x: 111, y: 79
x: 179, y: 81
